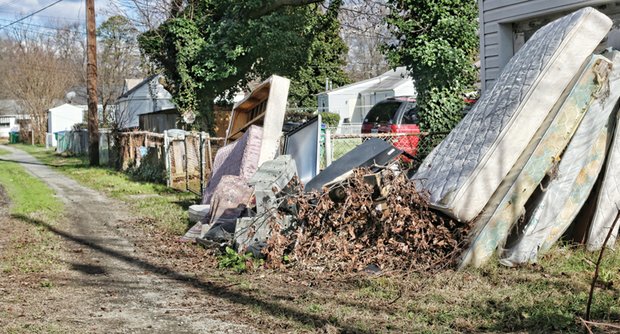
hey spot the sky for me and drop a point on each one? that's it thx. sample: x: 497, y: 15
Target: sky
x: 62, y: 13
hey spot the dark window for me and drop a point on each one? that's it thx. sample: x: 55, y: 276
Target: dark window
x: 411, y: 116
x: 5, y: 124
x: 383, y: 112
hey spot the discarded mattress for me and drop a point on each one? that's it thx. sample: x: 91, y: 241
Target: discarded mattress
x: 228, y: 202
x: 463, y: 172
x: 373, y: 151
x: 495, y: 223
x: 608, y: 200
x: 239, y: 158
x: 574, y: 180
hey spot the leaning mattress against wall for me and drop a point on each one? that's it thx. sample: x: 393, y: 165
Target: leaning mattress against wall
x: 608, y: 201
x: 495, y: 223
x: 463, y: 172
x: 574, y: 179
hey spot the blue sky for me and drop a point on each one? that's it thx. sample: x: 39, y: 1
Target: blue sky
x: 65, y: 12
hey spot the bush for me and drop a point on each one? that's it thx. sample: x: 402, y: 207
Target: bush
x: 298, y: 116
x: 331, y: 119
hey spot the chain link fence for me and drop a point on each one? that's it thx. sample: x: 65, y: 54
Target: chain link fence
x: 416, y: 145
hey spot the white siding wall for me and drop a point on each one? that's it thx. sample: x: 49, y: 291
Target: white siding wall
x: 497, y: 19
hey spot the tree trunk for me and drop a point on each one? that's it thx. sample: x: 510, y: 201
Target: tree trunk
x: 93, y: 120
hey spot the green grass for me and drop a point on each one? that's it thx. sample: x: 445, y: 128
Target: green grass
x: 31, y: 249
x: 547, y: 297
x: 167, y: 207
x: 4, y: 151
x: 28, y: 194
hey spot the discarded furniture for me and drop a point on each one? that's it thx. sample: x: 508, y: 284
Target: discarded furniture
x: 496, y: 221
x: 465, y: 170
x: 303, y: 144
x: 265, y: 107
x: 372, y: 152
x: 270, y: 180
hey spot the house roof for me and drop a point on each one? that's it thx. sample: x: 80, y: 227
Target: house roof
x: 398, y: 72
x: 137, y: 86
x: 390, y: 80
x: 131, y: 83
x: 66, y: 108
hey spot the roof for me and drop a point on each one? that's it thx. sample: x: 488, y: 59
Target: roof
x: 138, y: 85
x: 131, y: 83
x: 390, y: 80
x: 397, y: 74
x: 67, y: 107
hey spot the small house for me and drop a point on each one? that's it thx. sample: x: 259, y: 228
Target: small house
x: 10, y: 115
x: 146, y: 97
x: 63, y: 118
x: 506, y: 25
x: 352, y: 102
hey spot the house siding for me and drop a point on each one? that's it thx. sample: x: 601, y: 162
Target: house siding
x: 497, y: 20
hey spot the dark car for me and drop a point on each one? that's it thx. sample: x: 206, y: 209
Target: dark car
x: 395, y: 115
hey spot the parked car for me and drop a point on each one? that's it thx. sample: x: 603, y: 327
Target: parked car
x: 395, y: 115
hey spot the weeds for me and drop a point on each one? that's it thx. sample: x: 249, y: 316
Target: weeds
x: 238, y: 262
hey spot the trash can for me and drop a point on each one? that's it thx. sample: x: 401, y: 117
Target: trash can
x: 14, y: 137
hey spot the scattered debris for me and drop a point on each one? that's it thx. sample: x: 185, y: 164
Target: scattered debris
x: 398, y: 231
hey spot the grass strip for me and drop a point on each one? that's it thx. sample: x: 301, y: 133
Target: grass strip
x: 165, y: 206
x: 30, y: 249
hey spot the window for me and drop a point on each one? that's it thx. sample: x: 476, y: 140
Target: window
x: 383, y: 112
x: 411, y: 115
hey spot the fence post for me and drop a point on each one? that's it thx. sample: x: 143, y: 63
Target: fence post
x: 186, y: 162
x: 201, y: 148
x: 209, y: 152
x: 167, y: 159
x: 329, y: 150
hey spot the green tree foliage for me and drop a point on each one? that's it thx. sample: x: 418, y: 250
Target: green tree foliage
x: 326, y: 59
x: 211, y: 47
x: 437, y: 41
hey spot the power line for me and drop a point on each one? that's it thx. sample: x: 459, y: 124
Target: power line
x: 31, y: 14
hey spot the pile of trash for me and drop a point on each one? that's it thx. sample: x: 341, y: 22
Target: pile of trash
x: 359, y: 213
x: 358, y: 227
x: 537, y: 156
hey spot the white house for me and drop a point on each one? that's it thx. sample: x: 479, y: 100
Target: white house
x: 10, y: 113
x: 63, y: 118
x: 147, y: 96
x: 352, y: 102
x: 506, y: 25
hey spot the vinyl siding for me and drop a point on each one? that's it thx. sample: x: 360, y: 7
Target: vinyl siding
x: 497, y: 18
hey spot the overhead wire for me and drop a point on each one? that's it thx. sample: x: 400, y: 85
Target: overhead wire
x: 31, y: 14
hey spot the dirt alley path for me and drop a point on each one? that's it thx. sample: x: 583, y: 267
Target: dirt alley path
x: 111, y: 287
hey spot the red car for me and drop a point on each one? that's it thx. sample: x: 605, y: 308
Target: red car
x: 395, y: 115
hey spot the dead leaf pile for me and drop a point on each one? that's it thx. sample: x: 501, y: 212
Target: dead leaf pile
x: 398, y: 232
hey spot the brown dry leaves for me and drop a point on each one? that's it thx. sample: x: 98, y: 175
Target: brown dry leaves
x: 397, y: 233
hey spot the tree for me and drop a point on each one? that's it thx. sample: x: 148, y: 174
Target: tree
x: 325, y: 59
x: 37, y: 76
x: 437, y: 41
x: 119, y: 58
x: 364, y: 30
x: 212, y: 47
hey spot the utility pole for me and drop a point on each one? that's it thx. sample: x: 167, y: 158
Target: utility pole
x: 91, y: 83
